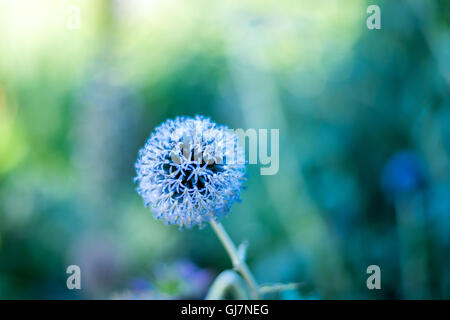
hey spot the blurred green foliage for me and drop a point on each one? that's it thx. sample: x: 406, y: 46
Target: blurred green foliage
x: 76, y: 105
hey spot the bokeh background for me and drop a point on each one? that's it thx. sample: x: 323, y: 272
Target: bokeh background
x: 364, y: 144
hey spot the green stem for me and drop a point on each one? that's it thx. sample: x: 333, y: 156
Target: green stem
x: 239, y: 264
x: 227, y: 281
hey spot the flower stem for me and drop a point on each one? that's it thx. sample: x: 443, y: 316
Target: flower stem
x: 228, y: 281
x: 238, y: 263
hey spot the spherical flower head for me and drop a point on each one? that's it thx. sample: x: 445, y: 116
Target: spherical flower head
x: 190, y: 170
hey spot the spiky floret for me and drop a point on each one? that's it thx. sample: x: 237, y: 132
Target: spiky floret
x: 190, y: 170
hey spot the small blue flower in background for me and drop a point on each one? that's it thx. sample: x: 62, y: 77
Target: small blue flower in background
x: 403, y: 172
x: 180, y: 279
x: 190, y: 170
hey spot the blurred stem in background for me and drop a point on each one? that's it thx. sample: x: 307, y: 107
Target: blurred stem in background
x: 237, y: 259
x: 413, y: 247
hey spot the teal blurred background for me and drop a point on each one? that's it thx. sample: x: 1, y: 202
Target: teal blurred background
x: 364, y: 144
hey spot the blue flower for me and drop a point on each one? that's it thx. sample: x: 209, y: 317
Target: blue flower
x: 190, y: 170
x: 404, y: 172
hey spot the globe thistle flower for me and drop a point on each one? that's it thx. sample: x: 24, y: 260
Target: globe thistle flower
x: 190, y: 170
